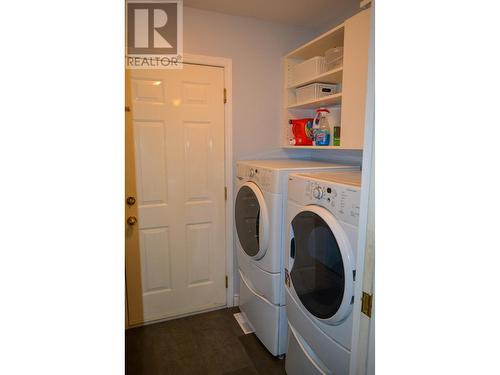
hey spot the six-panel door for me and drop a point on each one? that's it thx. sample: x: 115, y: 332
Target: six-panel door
x: 178, y: 123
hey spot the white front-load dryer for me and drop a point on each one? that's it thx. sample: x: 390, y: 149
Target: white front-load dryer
x: 321, y: 231
x: 261, y: 191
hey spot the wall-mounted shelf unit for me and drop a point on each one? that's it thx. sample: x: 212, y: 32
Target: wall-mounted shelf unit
x: 348, y: 104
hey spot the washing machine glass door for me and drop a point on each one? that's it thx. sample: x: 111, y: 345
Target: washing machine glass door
x: 252, y: 222
x: 322, y: 260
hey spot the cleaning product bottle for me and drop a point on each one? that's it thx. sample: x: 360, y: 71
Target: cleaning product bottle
x: 335, y: 116
x: 336, y: 135
x: 321, y: 128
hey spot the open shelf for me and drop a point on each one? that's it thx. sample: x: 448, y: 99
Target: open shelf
x: 316, y: 147
x: 325, y: 101
x: 319, y: 45
x: 331, y: 76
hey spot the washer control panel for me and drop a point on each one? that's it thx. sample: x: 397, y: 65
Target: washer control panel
x: 342, y: 200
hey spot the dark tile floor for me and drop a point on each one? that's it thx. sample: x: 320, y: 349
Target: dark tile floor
x: 209, y: 343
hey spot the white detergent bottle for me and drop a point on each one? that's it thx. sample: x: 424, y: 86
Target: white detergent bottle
x: 322, y: 132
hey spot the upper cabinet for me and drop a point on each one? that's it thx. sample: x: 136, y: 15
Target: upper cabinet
x: 329, y: 72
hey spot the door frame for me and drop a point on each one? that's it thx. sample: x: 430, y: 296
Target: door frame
x: 362, y: 360
x: 227, y: 65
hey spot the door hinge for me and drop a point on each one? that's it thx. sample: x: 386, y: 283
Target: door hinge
x: 226, y: 281
x: 366, y: 304
x: 225, y: 193
x: 225, y: 95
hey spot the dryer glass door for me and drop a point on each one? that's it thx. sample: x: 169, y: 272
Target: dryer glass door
x: 248, y: 213
x: 318, y: 273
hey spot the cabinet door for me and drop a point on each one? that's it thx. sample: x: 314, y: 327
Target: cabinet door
x: 356, y: 43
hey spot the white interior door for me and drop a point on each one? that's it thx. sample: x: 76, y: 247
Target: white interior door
x: 178, y: 122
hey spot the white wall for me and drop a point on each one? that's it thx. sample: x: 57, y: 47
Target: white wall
x: 346, y: 10
x: 256, y: 48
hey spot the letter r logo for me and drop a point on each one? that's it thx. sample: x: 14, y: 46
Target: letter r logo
x: 152, y: 28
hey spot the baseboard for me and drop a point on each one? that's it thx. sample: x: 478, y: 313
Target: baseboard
x: 236, y: 300
x: 179, y: 316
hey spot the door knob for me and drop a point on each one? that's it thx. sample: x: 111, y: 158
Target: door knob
x: 131, y: 220
x: 130, y: 201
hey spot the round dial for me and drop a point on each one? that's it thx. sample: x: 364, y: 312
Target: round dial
x: 317, y: 192
x: 252, y: 172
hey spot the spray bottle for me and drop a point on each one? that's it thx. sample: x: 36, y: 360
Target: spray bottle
x: 321, y: 128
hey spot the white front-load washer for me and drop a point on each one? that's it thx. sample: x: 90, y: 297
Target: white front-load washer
x: 261, y: 193
x: 321, y: 231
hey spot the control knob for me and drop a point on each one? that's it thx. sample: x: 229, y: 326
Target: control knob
x: 317, y: 192
x: 252, y: 172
